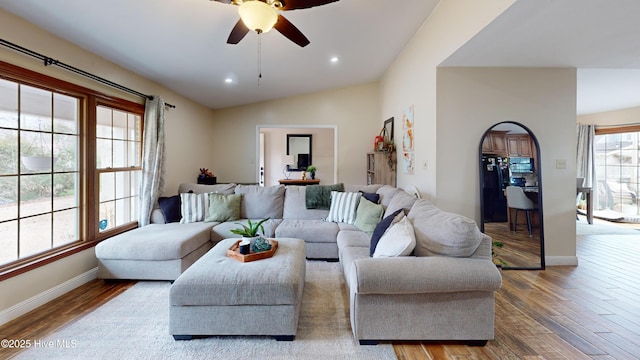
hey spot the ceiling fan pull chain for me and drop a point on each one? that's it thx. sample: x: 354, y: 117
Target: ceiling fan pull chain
x: 259, y: 58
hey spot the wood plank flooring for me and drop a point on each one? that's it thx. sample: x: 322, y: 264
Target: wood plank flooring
x: 587, y: 312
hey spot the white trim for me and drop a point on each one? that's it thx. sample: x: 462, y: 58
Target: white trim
x: 44, y: 297
x: 561, y: 260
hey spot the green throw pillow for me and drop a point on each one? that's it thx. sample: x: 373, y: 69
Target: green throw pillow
x: 368, y: 215
x: 224, y: 207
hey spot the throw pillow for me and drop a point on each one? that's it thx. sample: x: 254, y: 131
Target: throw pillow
x: 194, y: 207
x: 343, y: 207
x: 398, y: 241
x: 170, y: 207
x: 224, y: 207
x: 368, y: 215
x: 381, y: 228
x: 373, y: 197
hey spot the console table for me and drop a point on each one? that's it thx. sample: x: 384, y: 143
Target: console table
x: 299, y: 182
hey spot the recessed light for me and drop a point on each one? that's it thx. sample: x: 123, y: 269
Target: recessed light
x: 334, y: 60
x: 228, y: 81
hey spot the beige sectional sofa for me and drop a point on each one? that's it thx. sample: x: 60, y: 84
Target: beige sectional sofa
x: 443, y: 291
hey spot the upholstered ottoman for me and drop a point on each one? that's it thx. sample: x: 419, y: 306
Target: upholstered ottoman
x: 221, y: 296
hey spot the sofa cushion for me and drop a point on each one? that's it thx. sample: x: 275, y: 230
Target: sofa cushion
x: 443, y: 233
x: 194, y: 207
x: 343, y: 207
x: 401, y: 200
x: 311, y: 231
x: 204, y: 189
x: 382, y: 227
x: 155, y: 242
x: 364, y: 188
x: 224, y: 207
x: 295, y: 208
x: 387, y: 193
x: 353, y: 238
x: 261, y: 202
x: 399, y: 240
x: 368, y: 215
x: 170, y: 207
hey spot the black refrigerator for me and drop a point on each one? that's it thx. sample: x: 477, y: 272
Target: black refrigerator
x: 495, y: 171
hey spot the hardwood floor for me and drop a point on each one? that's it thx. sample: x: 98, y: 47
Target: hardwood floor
x: 587, y: 312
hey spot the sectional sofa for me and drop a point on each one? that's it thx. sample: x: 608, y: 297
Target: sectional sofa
x: 442, y: 289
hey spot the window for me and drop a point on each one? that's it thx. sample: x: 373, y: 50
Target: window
x: 61, y: 147
x: 617, y: 171
x: 38, y: 170
x: 118, y: 154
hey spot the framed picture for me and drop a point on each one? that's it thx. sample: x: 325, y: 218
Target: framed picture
x: 388, y: 130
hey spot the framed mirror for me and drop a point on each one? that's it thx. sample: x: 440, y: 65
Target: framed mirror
x: 511, y: 195
x: 299, y: 146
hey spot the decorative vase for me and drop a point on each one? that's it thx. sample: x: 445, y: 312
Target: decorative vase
x: 260, y: 244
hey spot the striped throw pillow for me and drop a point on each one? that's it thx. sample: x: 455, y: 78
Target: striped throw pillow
x: 194, y: 207
x: 343, y: 207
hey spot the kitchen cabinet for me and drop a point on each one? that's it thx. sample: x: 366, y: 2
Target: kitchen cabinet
x: 519, y: 146
x: 494, y: 143
x: 381, y: 168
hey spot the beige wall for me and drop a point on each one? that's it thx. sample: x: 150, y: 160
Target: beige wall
x: 471, y: 100
x: 629, y: 116
x: 275, y: 147
x: 354, y: 110
x: 188, y: 127
x: 411, y: 80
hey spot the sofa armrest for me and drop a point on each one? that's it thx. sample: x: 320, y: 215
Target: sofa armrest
x: 417, y: 275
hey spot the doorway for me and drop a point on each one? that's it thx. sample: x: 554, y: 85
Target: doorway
x: 273, y: 152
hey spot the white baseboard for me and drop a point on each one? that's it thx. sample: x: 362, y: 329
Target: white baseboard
x: 44, y: 297
x: 561, y: 260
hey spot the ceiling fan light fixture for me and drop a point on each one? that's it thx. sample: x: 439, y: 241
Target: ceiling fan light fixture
x: 258, y: 16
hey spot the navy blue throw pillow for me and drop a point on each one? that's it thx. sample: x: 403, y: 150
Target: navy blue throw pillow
x: 380, y: 229
x: 373, y: 197
x: 170, y: 207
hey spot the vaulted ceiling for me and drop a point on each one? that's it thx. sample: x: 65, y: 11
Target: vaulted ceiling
x: 181, y: 44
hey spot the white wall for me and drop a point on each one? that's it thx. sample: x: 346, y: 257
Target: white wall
x: 188, y: 127
x: 472, y: 100
x: 322, y: 153
x: 354, y: 110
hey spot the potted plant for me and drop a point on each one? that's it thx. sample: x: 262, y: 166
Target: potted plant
x: 250, y: 231
x: 312, y: 170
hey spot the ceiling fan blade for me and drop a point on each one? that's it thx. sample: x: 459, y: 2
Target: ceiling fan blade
x: 303, y: 4
x: 286, y: 28
x: 223, y: 1
x: 238, y: 33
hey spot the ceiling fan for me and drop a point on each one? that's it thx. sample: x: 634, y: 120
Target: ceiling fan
x: 262, y: 15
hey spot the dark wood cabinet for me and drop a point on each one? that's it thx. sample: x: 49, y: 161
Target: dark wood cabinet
x: 494, y: 143
x: 519, y: 145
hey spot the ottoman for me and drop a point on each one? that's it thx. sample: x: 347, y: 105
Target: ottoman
x: 218, y: 295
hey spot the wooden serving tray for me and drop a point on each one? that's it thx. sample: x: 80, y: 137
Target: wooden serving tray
x: 234, y: 252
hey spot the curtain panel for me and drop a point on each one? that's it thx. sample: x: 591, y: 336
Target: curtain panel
x: 153, y: 159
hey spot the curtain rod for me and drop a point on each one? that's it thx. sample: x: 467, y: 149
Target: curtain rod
x: 50, y: 61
